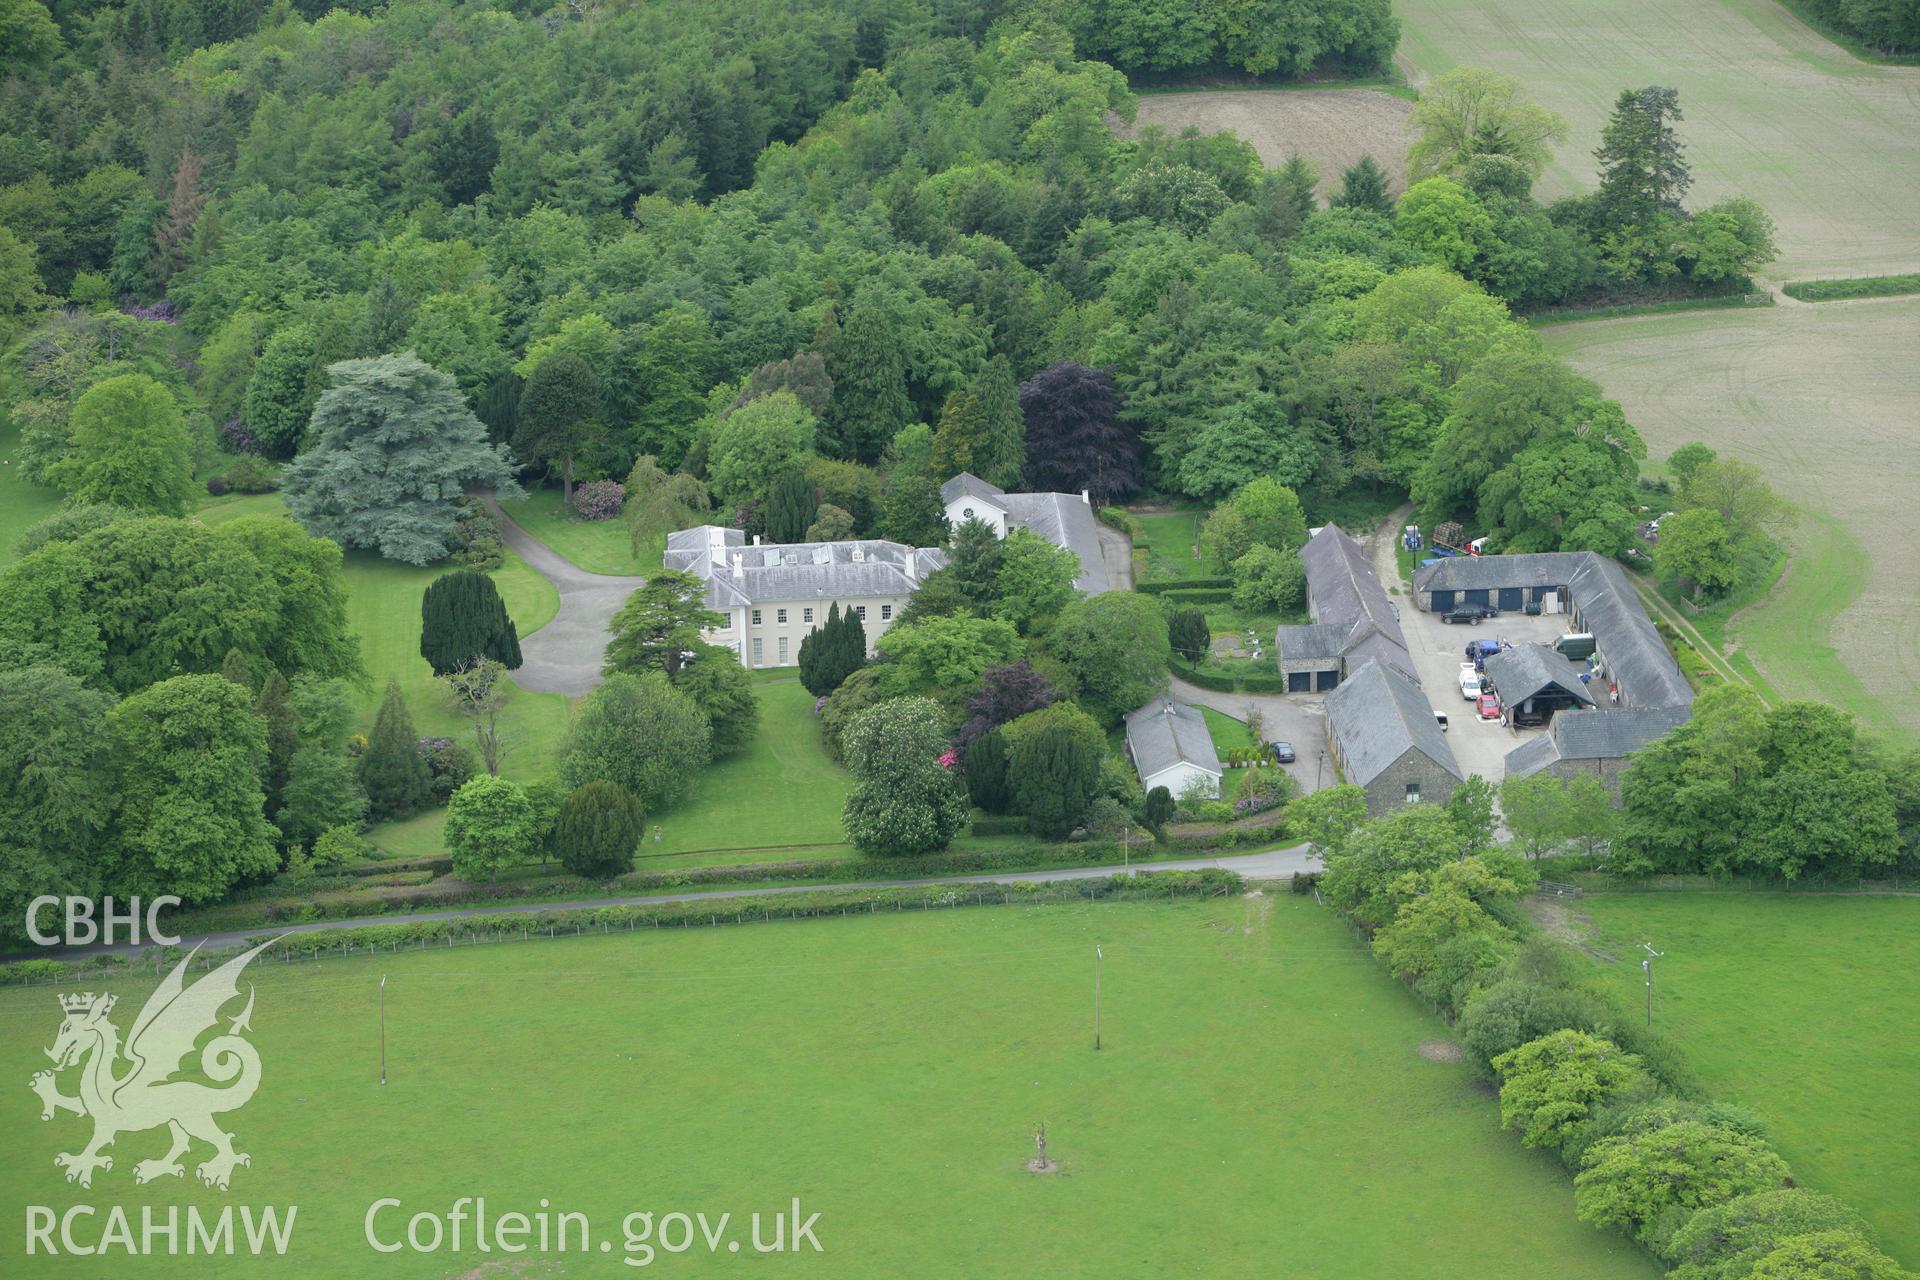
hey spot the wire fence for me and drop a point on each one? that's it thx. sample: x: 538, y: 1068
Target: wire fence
x: 1822, y: 884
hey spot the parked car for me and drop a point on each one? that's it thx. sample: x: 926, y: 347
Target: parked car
x: 1469, y: 613
x: 1282, y: 752
x: 1470, y: 681
x: 1489, y: 707
x: 1440, y: 717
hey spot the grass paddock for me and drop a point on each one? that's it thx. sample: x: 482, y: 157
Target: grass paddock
x: 1803, y: 1007
x: 1260, y: 1106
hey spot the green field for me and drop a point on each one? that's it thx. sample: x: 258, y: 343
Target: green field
x: 783, y: 790
x: 1165, y: 547
x: 598, y: 546
x: 1805, y: 1008
x: 22, y: 505
x: 1259, y: 1107
x: 1773, y: 110
x: 1821, y: 399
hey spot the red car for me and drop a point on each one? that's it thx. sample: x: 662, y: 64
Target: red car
x: 1489, y: 707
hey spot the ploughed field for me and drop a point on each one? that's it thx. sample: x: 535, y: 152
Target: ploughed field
x: 1822, y: 398
x: 1331, y: 127
x: 1260, y: 1105
x: 1773, y: 110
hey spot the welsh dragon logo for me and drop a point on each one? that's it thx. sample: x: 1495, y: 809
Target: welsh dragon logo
x: 146, y: 1094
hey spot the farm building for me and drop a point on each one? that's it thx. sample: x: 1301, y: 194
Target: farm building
x: 1353, y: 621
x: 1064, y: 519
x: 1595, y: 593
x: 1383, y: 735
x: 774, y: 596
x: 1534, y: 681
x: 1594, y: 742
x: 1171, y: 747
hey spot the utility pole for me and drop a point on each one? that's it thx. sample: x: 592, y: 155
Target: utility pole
x: 383, y: 1030
x: 1126, y: 849
x: 1320, y: 772
x: 1646, y: 967
x: 1096, y: 999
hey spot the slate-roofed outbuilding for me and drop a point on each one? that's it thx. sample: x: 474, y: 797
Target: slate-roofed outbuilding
x: 1630, y: 649
x: 1383, y: 734
x: 1600, y: 598
x: 1353, y: 621
x: 1595, y: 742
x: 1534, y: 671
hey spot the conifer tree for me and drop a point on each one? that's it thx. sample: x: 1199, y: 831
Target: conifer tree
x: 985, y: 764
x: 791, y: 508
x: 869, y: 373
x: 1054, y: 774
x: 1364, y: 187
x: 235, y: 668
x: 833, y: 652
x: 395, y: 775
x: 960, y: 434
x: 275, y: 706
x: 597, y: 830
x: 1003, y: 458
x: 913, y: 512
x: 981, y: 429
x: 462, y: 618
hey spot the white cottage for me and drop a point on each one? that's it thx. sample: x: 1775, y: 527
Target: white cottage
x: 1171, y: 747
x: 1064, y: 519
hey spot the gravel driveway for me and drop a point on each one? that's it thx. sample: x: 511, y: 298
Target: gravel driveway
x: 564, y: 655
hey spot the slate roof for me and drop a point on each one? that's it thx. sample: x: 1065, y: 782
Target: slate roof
x: 1064, y: 519
x: 1344, y: 591
x: 1608, y: 734
x: 1525, y: 670
x: 1630, y: 648
x: 973, y: 486
x: 1165, y: 733
x: 1483, y: 573
x: 1536, y: 753
x: 1314, y: 640
x: 825, y: 571
x: 1614, y: 732
x: 1376, y: 716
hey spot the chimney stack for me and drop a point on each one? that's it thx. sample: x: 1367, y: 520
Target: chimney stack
x: 739, y: 565
x: 1086, y: 497
x: 913, y: 564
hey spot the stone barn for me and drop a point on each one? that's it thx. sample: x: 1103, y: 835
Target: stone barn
x: 1594, y: 742
x: 1383, y: 735
x: 1353, y: 621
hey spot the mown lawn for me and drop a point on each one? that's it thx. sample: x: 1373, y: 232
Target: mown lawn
x: 1166, y: 545
x: 22, y: 505
x: 598, y: 546
x: 778, y: 799
x: 1259, y: 1107
x: 784, y: 792
x: 1806, y: 1008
